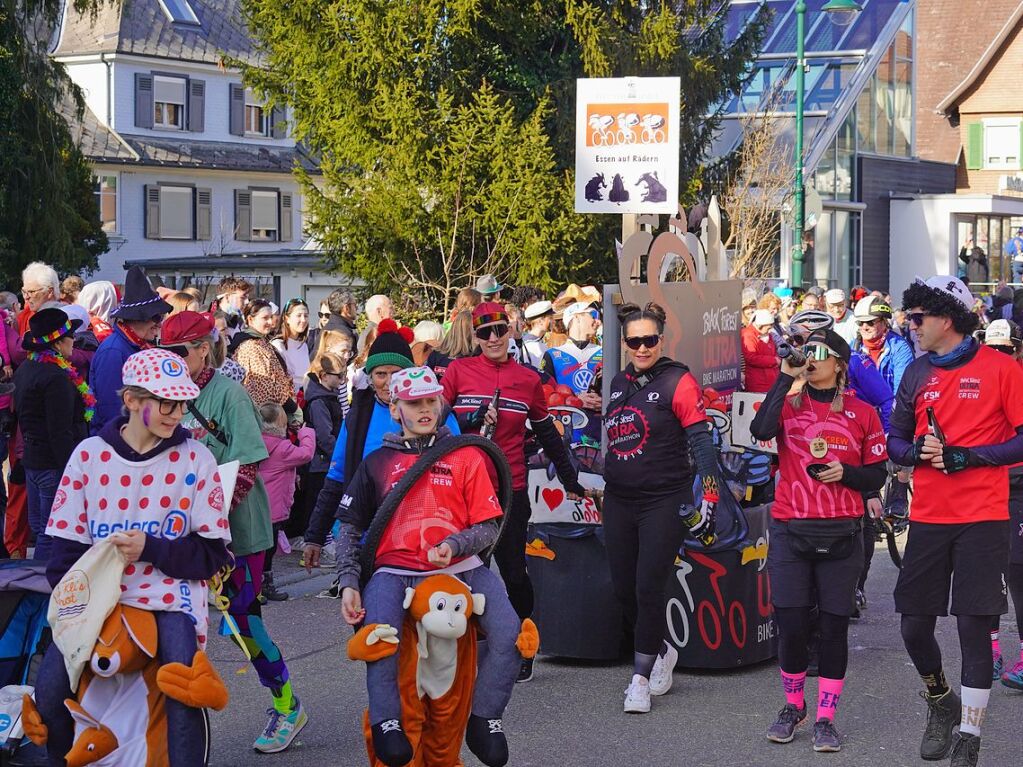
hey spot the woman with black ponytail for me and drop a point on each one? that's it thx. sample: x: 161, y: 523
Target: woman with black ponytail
x: 655, y: 417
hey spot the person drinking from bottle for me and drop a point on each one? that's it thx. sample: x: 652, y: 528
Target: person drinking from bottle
x: 831, y: 450
x: 655, y: 417
x: 958, y: 540
x: 469, y: 384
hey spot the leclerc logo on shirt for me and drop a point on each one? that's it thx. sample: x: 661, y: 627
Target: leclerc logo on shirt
x: 174, y: 525
x: 102, y: 530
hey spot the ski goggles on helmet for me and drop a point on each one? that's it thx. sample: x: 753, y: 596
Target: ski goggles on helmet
x: 818, y: 352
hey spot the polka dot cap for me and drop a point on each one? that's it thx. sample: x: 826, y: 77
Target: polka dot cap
x: 415, y: 383
x: 160, y: 372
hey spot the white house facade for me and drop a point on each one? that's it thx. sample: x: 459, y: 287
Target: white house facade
x: 194, y: 174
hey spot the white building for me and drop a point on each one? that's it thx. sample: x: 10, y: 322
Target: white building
x: 194, y: 174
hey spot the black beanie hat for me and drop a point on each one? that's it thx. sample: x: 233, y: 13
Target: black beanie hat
x: 389, y: 348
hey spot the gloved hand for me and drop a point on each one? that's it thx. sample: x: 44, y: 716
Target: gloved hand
x: 918, y: 447
x: 475, y: 419
x: 701, y: 522
x: 953, y: 459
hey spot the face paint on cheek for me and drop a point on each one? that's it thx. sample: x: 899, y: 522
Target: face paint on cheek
x: 145, y: 416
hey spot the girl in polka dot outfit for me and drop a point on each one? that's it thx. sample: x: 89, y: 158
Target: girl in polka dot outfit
x: 155, y: 493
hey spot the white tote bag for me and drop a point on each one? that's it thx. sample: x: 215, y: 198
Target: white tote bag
x: 81, y: 602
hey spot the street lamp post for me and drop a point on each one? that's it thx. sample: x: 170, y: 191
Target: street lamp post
x: 842, y: 13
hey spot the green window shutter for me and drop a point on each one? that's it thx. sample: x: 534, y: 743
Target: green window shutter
x: 974, y: 146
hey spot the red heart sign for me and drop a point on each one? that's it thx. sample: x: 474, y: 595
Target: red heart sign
x: 553, y: 497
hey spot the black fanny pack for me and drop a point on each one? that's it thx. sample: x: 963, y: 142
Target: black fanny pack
x: 825, y: 538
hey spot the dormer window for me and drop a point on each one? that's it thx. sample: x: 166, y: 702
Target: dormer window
x: 179, y: 11
x: 169, y: 102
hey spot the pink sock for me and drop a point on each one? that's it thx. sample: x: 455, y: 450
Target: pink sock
x: 996, y: 650
x: 828, y: 693
x: 793, y: 685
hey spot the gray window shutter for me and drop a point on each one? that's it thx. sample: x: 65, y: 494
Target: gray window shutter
x: 203, y: 214
x: 242, y: 215
x: 286, y: 217
x: 237, y: 106
x: 143, y: 101
x: 196, y: 105
x: 152, y: 212
x: 278, y: 123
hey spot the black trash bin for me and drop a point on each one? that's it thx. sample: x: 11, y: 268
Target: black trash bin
x: 576, y: 610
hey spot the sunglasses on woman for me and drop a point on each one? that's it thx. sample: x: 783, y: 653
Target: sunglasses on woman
x: 182, y: 350
x: 638, y: 342
x: 491, y: 331
x: 818, y: 352
x: 323, y: 315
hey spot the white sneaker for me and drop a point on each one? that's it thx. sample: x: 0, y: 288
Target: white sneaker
x: 661, y: 676
x: 637, y: 697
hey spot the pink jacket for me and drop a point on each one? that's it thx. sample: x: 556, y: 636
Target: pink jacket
x: 279, y: 469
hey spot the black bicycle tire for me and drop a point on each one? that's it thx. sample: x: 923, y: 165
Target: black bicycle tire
x: 441, y: 448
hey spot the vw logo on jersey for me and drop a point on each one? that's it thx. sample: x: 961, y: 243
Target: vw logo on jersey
x: 175, y: 525
x: 582, y: 379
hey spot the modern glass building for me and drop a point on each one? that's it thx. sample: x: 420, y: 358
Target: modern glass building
x: 858, y: 127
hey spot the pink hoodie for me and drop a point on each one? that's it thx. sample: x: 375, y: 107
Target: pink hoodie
x: 8, y: 336
x: 279, y: 469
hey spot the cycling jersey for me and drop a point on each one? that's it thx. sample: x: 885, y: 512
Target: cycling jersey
x: 978, y: 403
x: 454, y: 494
x: 648, y: 448
x: 854, y: 437
x: 572, y: 366
x: 470, y: 382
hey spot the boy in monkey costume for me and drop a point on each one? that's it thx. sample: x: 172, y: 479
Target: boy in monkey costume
x: 448, y: 517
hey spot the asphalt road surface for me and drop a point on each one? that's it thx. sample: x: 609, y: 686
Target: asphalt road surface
x: 570, y: 715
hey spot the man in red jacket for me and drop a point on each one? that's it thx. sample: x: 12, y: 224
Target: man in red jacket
x: 469, y: 385
x: 759, y: 352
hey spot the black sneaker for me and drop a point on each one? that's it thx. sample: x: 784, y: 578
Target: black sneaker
x: 966, y: 750
x: 525, y: 670
x: 825, y: 737
x: 391, y: 744
x: 784, y: 728
x: 270, y: 591
x: 943, y: 713
x: 485, y: 738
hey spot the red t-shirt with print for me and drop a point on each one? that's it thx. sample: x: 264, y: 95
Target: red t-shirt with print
x: 455, y: 494
x: 979, y: 403
x: 854, y: 437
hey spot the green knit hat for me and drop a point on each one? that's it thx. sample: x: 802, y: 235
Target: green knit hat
x: 390, y: 348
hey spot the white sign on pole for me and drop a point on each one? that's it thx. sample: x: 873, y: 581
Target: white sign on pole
x: 744, y: 406
x: 626, y: 145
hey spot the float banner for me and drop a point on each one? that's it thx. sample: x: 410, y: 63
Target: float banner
x: 627, y: 145
x: 719, y: 603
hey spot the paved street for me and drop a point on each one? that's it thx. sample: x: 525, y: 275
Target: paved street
x: 571, y: 715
